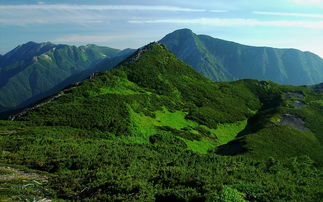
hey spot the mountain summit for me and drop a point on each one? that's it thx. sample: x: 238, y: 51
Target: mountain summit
x: 153, y: 129
x: 133, y: 99
x: 30, y: 70
x: 222, y: 60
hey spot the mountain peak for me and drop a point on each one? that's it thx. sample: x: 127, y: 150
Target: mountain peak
x: 29, y: 43
x: 27, y: 51
x: 137, y: 54
x: 181, y: 34
x: 184, y: 30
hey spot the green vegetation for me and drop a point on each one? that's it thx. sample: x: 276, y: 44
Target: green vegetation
x: 222, y: 60
x: 32, y: 71
x: 227, y: 132
x: 86, y: 165
x: 154, y: 129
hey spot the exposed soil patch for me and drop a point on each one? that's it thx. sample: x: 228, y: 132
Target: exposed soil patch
x: 15, y: 173
x: 294, y: 95
x: 318, y: 88
x: 298, y: 103
x: 263, y: 83
x: 294, y: 121
x: 17, y: 185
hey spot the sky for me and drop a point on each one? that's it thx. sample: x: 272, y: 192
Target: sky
x: 134, y: 23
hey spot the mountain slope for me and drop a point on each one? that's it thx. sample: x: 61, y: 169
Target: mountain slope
x: 154, y: 83
x: 32, y: 69
x: 155, y: 74
x: 26, y: 51
x: 222, y: 60
x: 151, y: 128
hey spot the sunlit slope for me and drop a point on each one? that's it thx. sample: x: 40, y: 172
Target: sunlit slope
x: 153, y: 92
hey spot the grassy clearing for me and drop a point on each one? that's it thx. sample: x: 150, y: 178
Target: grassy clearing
x: 228, y: 131
x: 173, y: 119
x: 145, y: 126
x: 201, y: 147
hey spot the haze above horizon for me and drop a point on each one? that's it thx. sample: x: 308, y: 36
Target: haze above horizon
x: 134, y: 23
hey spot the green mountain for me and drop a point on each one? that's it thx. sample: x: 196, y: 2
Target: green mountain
x: 222, y: 60
x: 27, y: 51
x: 153, y: 129
x: 32, y: 69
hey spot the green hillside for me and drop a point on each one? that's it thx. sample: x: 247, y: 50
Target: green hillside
x: 153, y: 129
x: 222, y: 60
x: 32, y: 69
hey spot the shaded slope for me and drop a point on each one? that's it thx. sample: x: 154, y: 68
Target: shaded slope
x: 105, y: 64
x: 223, y: 60
x: 33, y: 69
x: 188, y: 47
x: 27, y: 51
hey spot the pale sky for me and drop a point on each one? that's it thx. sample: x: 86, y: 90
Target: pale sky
x: 134, y: 23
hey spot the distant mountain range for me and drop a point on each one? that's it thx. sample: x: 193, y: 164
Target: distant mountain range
x: 33, y: 71
x: 222, y: 60
x: 153, y: 129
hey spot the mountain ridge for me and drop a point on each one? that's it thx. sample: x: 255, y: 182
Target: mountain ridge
x: 227, y: 60
x: 216, y: 59
x: 43, y: 66
x: 153, y: 128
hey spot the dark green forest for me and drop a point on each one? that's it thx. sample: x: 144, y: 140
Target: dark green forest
x: 153, y: 129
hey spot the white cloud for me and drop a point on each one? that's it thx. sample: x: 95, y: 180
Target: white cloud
x: 218, y: 11
x: 99, y: 7
x: 308, y: 2
x: 22, y: 15
x: 75, y: 38
x: 289, y: 14
x: 229, y: 22
x: 27, y: 17
x: 116, y: 40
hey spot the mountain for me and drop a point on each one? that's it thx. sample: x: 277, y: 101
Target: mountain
x: 31, y: 69
x: 222, y: 60
x: 26, y: 51
x: 154, y: 129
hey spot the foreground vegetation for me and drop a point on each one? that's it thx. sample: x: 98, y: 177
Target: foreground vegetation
x: 85, y: 165
x: 154, y: 129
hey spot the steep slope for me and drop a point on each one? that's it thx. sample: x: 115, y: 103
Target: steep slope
x: 154, y: 74
x: 105, y: 64
x: 32, y: 69
x: 151, y: 128
x: 26, y: 51
x: 153, y: 84
x: 188, y: 47
x: 223, y: 60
